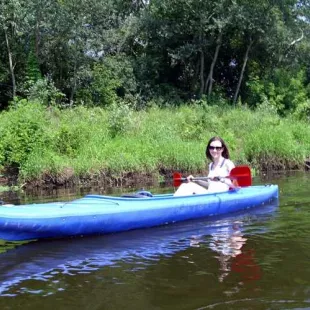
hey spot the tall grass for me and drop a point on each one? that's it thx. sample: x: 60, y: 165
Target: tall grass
x: 59, y: 145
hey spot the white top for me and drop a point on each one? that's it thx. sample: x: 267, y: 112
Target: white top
x: 221, y: 170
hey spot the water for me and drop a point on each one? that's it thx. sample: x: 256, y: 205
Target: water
x: 253, y: 260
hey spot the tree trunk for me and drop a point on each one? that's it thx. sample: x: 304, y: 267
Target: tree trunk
x: 245, y: 60
x: 37, y: 39
x: 202, y: 65
x: 209, y: 81
x: 202, y: 68
x: 38, y: 16
x: 74, y: 85
x: 10, y: 63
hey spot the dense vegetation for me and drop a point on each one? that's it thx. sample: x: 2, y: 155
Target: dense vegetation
x: 114, y: 86
x: 59, y: 146
x: 86, y: 52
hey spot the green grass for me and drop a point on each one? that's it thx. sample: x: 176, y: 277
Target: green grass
x: 9, y: 188
x: 85, y: 142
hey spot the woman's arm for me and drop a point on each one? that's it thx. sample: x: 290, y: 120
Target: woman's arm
x: 232, y: 183
x: 202, y: 183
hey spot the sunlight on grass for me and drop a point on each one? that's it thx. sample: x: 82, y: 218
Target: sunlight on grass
x: 84, y: 141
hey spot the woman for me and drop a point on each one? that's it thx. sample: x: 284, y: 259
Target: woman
x: 219, y: 169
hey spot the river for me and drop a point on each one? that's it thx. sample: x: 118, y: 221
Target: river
x: 254, y: 260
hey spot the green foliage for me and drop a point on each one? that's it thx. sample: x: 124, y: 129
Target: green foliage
x: 71, y: 129
x: 57, y: 145
x: 95, y: 53
x: 45, y: 92
x: 37, y: 88
x: 104, y: 85
x: 33, y: 73
x: 116, y: 63
x: 67, y: 140
x: 302, y: 111
x: 110, y: 80
x: 286, y: 93
x: 122, y: 69
x: 120, y: 119
x: 196, y: 119
x: 22, y: 131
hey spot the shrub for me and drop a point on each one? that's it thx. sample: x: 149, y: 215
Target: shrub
x: 120, y: 119
x: 21, y: 131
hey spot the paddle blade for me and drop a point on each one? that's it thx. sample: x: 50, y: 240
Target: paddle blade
x: 242, y: 174
x: 177, y: 179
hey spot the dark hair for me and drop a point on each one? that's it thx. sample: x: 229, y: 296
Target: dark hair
x: 225, y: 153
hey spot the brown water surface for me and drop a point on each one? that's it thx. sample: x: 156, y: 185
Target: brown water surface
x: 253, y: 260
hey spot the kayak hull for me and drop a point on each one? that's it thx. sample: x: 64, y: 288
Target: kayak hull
x: 96, y: 214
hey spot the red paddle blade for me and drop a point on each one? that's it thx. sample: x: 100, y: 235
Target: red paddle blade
x: 242, y: 174
x: 177, y: 179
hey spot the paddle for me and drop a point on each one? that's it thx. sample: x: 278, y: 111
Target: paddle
x: 242, y: 174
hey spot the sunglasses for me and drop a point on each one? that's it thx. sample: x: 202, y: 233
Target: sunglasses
x: 217, y: 148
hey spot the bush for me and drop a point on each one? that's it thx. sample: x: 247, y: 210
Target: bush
x: 45, y: 92
x: 22, y: 131
x: 282, y: 92
x: 120, y: 119
x: 109, y: 81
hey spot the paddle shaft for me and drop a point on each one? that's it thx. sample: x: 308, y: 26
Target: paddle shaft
x: 207, y: 178
x: 242, y: 174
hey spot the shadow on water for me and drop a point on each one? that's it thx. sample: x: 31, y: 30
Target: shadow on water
x: 46, y: 260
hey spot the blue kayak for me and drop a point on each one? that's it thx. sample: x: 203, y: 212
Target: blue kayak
x: 96, y: 214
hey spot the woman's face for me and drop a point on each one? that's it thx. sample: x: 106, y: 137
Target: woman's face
x: 216, y: 149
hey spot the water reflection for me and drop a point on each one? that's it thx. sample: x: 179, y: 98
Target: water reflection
x: 227, y: 243
x: 24, y: 268
x: 233, y: 255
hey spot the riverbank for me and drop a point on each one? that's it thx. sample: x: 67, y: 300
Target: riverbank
x: 51, y: 147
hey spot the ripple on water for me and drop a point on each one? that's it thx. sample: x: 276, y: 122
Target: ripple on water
x: 42, y: 268
x: 247, y: 303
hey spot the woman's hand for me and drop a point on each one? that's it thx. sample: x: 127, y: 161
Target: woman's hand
x: 220, y: 179
x: 190, y: 178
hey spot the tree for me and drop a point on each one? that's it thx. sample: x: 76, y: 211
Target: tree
x: 13, y: 26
